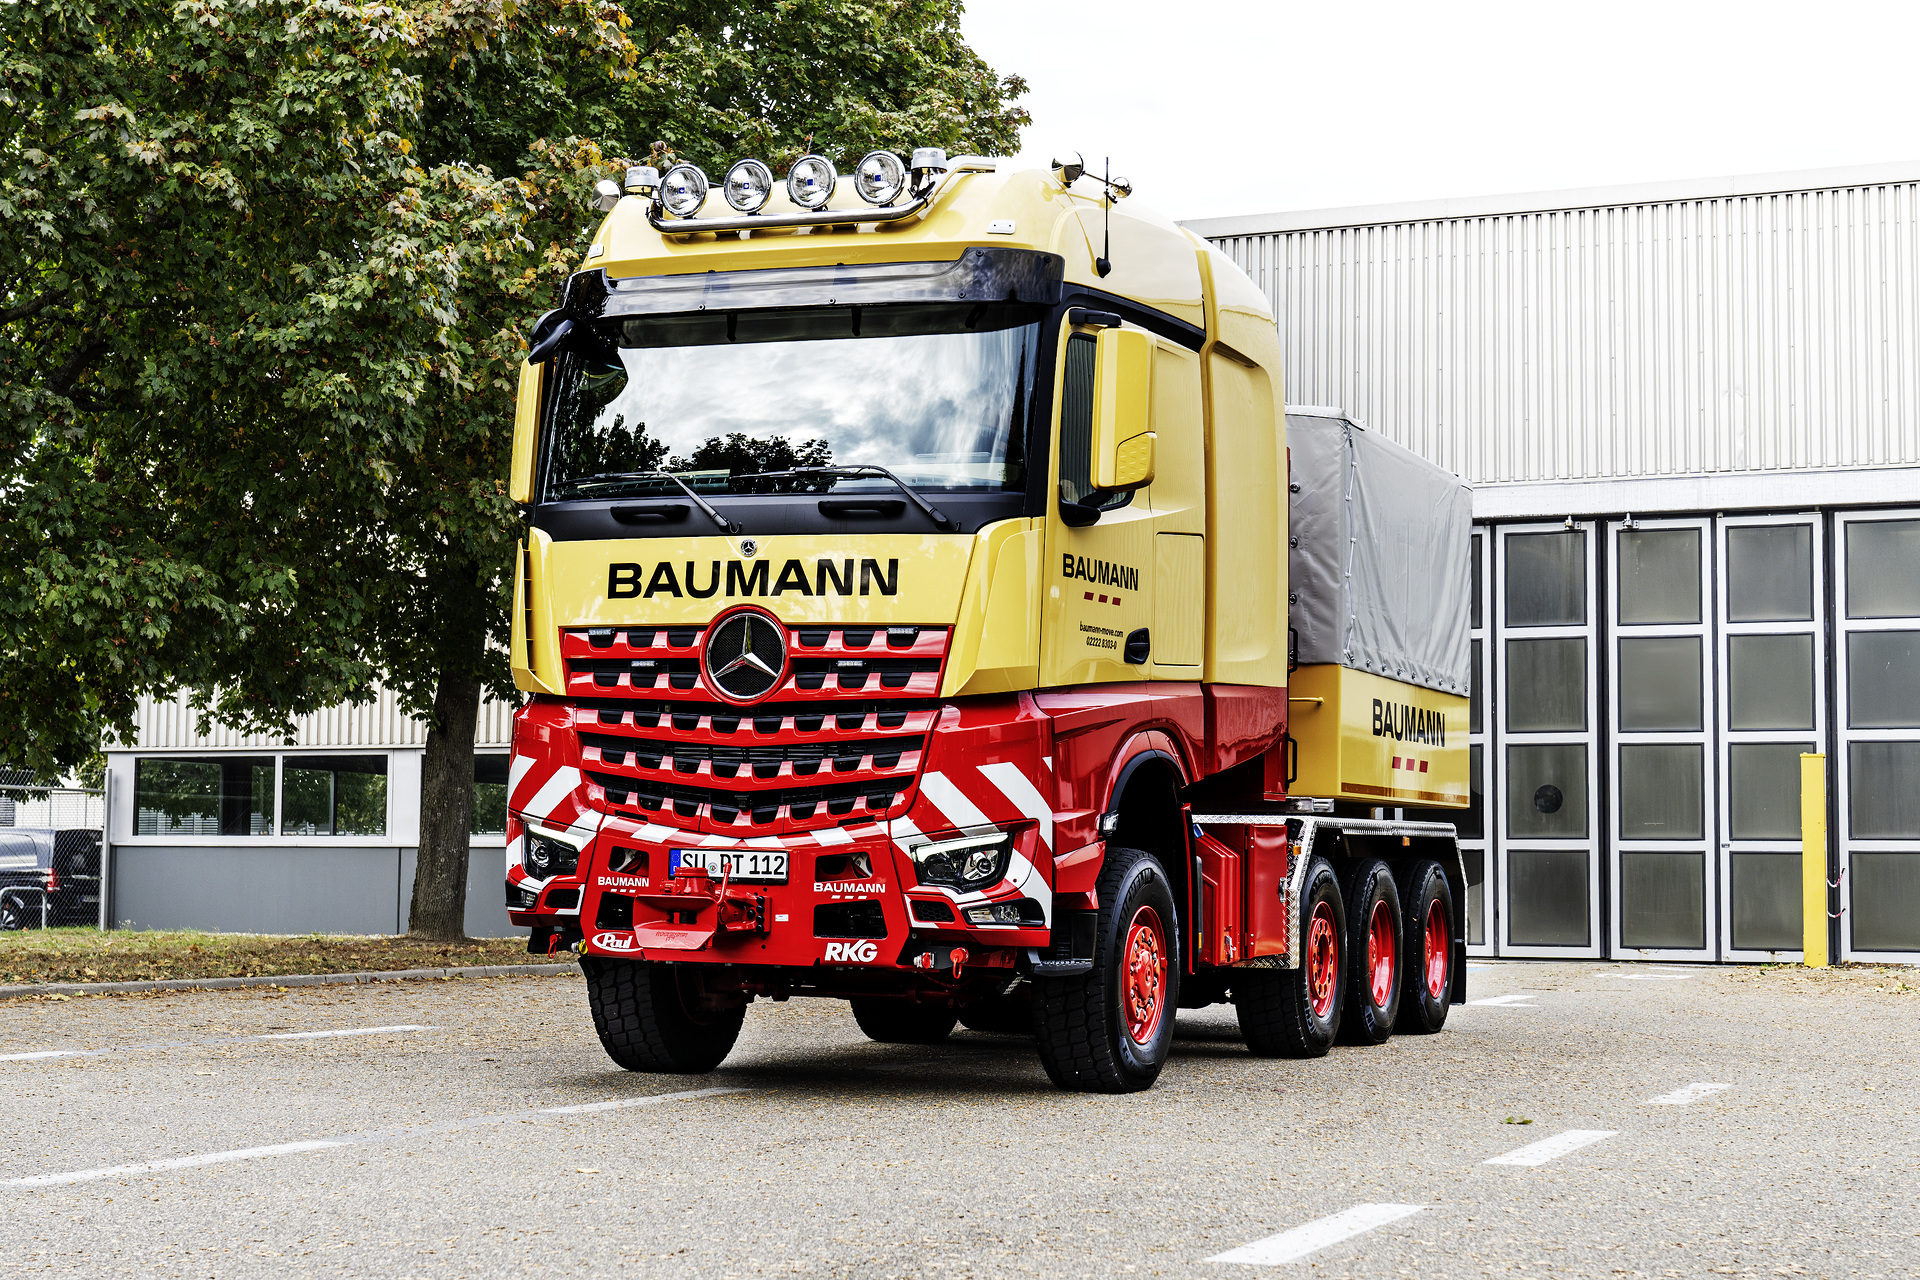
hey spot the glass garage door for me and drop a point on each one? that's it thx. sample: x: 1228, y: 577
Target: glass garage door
x: 1472, y: 825
x: 1773, y: 706
x: 1544, y: 801
x: 1876, y: 775
x: 1662, y: 872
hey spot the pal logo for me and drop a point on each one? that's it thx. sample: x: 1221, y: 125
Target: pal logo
x: 612, y: 942
x: 852, y: 952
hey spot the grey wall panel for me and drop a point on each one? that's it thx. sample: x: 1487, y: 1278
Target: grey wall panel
x: 486, y: 894
x: 170, y: 723
x: 1724, y: 335
x: 236, y: 889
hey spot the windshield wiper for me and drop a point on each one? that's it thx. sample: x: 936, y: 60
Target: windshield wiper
x: 866, y: 469
x: 726, y: 525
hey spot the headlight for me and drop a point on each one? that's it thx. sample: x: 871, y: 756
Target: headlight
x: 747, y: 185
x: 879, y: 177
x: 683, y: 190
x: 547, y: 857
x: 968, y: 862
x: 810, y: 182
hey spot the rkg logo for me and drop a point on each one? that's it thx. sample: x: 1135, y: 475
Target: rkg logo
x: 852, y: 952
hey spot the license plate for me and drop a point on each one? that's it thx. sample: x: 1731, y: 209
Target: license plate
x: 761, y: 866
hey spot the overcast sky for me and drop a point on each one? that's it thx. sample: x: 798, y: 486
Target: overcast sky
x: 1217, y: 107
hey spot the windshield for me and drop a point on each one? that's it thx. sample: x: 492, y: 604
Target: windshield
x: 935, y: 393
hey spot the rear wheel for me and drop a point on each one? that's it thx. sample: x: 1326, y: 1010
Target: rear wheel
x: 1426, y: 900
x: 653, y: 1016
x: 1373, y: 972
x: 17, y: 913
x: 1295, y: 1013
x: 1109, y: 1030
x: 898, y: 1022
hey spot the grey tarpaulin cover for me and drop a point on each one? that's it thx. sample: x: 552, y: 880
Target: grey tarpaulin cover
x: 1380, y: 563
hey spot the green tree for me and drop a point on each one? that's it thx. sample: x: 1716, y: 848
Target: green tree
x: 269, y: 271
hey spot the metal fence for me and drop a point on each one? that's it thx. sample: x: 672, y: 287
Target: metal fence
x: 51, y: 864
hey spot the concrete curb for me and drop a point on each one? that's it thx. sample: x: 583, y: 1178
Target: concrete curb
x: 288, y: 980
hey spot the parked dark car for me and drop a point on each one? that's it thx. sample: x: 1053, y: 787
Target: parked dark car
x: 49, y: 876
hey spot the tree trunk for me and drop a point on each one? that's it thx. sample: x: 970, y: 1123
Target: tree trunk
x: 439, y: 908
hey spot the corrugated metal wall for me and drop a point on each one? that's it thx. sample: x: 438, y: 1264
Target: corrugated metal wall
x: 1729, y: 334
x: 170, y: 725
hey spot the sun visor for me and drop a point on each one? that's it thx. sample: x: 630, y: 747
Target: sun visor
x: 1380, y: 566
x: 978, y: 275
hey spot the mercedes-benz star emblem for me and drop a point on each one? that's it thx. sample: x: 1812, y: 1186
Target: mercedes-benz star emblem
x: 746, y: 656
x: 749, y: 547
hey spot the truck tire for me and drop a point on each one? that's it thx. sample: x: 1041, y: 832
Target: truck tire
x: 1008, y: 1014
x: 898, y: 1022
x: 1295, y: 1013
x: 1426, y: 903
x: 647, y: 1019
x: 1109, y: 1030
x: 1374, y: 968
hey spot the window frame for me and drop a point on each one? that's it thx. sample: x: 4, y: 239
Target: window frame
x: 390, y: 837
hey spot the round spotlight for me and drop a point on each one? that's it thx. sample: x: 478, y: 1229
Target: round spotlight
x: 683, y: 190
x: 879, y: 177
x: 747, y: 185
x: 810, y: 182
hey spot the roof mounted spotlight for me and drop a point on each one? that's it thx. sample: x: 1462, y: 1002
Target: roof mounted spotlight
x: 879, y: 177
x: 747, y: 186
x: 1067, y: 168
x: 927, y: 163
x: 683, y: 190
x: 642, y: 180
x: 606, y: 194
x: 811, y: 181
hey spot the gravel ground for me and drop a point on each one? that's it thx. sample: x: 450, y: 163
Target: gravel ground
x: 838, y: 1157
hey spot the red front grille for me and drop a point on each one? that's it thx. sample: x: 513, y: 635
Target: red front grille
x: 841, y: 740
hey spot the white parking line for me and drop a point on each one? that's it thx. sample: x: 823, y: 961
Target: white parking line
x: 1689, y: 1093
x: 189, y: 1044
x: 1318, y: 1234
x: 1656, y: 977
x: 348, y: 1140
x: 1538, y: 1153
x: 1517, y: 1000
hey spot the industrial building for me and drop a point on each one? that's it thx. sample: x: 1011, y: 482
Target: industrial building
x: 1690, y: 413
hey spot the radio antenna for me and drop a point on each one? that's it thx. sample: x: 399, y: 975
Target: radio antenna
x: 1104, y: 263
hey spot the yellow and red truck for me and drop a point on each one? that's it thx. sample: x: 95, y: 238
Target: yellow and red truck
x: 904, y: 618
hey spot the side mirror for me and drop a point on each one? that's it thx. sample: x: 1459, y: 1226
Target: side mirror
x: 1123, y: 436
x: 526, y: 432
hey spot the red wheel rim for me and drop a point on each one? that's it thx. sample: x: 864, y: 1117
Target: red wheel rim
x: 1323, y: 960
x: 1381, y: 949
x: 1143, y: 976
x: 1438, y: 947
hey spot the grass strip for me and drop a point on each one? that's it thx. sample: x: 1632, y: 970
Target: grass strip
x: 126, y: 955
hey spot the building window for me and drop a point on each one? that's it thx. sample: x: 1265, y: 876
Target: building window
x: 490, y: 795
x: 203, y: 796
x: 335, y: 796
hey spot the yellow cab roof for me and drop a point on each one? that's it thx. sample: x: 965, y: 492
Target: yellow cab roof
x: 1155, y: 263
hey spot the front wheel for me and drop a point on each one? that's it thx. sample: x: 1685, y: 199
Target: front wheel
x: 653, y: 1016
x: 1295, y: 1013
x: 1109, y: 1030
x: 16, y: 913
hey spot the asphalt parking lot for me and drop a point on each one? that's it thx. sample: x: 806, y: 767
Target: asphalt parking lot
x: 474, y: 1128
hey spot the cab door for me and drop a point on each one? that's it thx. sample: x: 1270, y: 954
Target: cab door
x: 1113, y: 555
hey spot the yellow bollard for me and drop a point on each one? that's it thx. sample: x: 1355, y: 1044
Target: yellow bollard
x: 1813, y: 860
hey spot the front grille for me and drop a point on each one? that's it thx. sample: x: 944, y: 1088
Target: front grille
x: 821, y: 661
x: 800, y: 804
x: 762, y: 762
x: 841, y: 740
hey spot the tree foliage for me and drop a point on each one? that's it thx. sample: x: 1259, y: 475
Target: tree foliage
x: 269, y: 272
